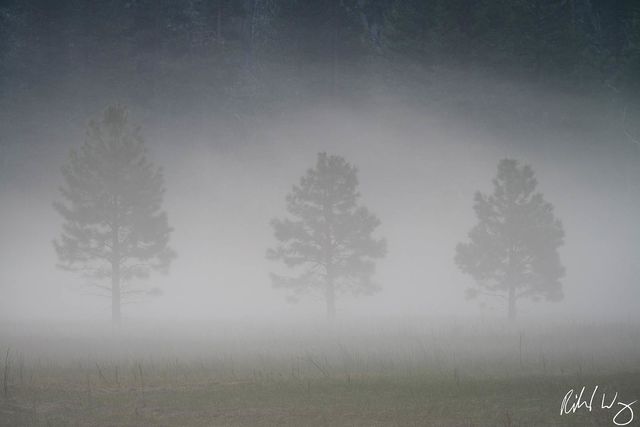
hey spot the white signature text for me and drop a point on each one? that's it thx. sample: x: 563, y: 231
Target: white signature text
x: 574, y: 401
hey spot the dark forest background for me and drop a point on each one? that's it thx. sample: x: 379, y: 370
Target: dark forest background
x: 239, y: 55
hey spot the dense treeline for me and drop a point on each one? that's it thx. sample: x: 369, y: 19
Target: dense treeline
x: 584, y: 45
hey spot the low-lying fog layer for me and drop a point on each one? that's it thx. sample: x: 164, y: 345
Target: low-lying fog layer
x: 418, y: 173
x: 471, y: 346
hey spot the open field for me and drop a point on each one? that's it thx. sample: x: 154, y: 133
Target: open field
x: 444, y: 375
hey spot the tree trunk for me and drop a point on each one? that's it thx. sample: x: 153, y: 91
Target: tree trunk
x: 115, y: 276
x: 334, y: 59
x: 539, y: 48
x: 512, y: 303
x: 330, y: 298
x: 219, y: 22
x: 250, y: 38
x: 115, y: 293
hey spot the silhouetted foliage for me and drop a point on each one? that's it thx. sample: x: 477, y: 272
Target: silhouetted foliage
x: 114, y: 227
x: 329, y: 237
x: 585, y: 44
x: 512, y: 251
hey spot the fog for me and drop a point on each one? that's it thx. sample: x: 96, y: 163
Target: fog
x: 418, y: 170
x: 328, y: 212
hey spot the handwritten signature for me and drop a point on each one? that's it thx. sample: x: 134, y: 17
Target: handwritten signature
x: 574, y: 401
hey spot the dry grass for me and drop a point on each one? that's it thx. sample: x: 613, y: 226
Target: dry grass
x: 461, y: 377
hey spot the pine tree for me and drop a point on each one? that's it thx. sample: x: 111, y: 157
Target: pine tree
x: 329, y: 238
x: 512, y: 251
x: 114, y: 227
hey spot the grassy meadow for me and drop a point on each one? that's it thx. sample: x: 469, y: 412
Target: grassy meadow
x: 401, y: 373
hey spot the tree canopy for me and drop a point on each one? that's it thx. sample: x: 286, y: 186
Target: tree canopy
x: 114, y: 226
x: 512, y: 251
x: 328, y: 238
x: 580, y: 43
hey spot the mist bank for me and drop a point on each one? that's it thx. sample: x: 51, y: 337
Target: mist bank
x: 418, y: 171
x: 473, y: 345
